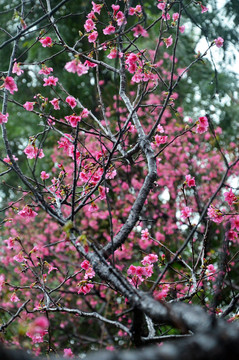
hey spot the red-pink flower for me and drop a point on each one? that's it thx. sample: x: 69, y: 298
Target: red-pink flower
x: 10, y: 84
x: 46, y: 42
x: 175, y: 16
x: 16, y: 69
x: 71, y: 101
x: 33, y: 152
x: 14, y: 298
x: 190, y: 181
x: 27, y: 212
x: 51, y: 80
x: 73, y: 119
x: 85, y: 289
x: 55, y: 103
x: 215, y: 214
x: 45, y: 70
x: 44, y: 175
x: 89, y: 25
x: 109, y: 30
x: 186, y: 212
x: 3, y: 118
x: 202, y: 125
x: 114, y: 53
x: 92, y: 37
x: 230, y: 197
x: 68, y: 353
x: 204, y: 8
x: 139, y: 30
x: 168, y: 41
x: 37, y: 329
x: 219, y: 42
x: 96, y: 7
x: 29, y: 105
x: 235, y: 223
x: 2, y: 281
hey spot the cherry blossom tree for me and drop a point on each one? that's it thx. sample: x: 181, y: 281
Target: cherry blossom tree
x: 123, y: 229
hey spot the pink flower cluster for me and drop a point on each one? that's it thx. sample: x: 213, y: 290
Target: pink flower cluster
x: 76, y: 66
x: 33, y: 152
x: 202, y: 125
x: 16, y: 69
x: 135, y: 11
x: 74, y: 119
x: 190, y: 181
x: 37, y: 329
x: 27, y: 212
x: 215, y: 214
x: 46, y: 41
x: 3, y: 118
x: 139, y: 273
x: 50, y: 81
x: 230, y: 197
x: 186, y: 212
x: 10, y: 84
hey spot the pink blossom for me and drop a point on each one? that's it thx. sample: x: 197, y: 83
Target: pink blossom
x: 7, y: 159
x: 148, y: 259
x: 27, y: 212
x: 131, y: 11
x: 161, y: 6
x: 210, y: 272
x: 175, y: 16
x: 114, y: 53
x: 182, y: 29
x: 14, y: 298
x: 73, y: 120
x: 159, y: 139
x: 90, y: 64
x: 55, y: 103
x: 10, y: 242
x: 33, y: 152
x: 186, y: 212
x: 2, y: 281
x: 120, y: 18
x: 168, y: 41
x: 235, y: 223
x: 139, y: 30
x: 68, y: 353
x: 89, y: 25
x: 85, y: 289
x: 109, y: 30
x: 204, y: 8
x: 115, y: 8
x: 85, y: 265
x: 85, y: 113
x: 190, y: 181
x: 3, y: 118
x: 29, y: 105
x: 51, y: 80
x: 230, y: 197
x: 215, y: 214
x: 71, y: 101
x: 219, y: 42
x: 202, y: 125
x: 44, y: 175
x: 16, y: 69
x: 92, y: 37
x: 96, y: 7
x: 19, y: 257
x: 10, y: 84
x: 46, y: 42
x: 45, y: 70
x: 37, y: 329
